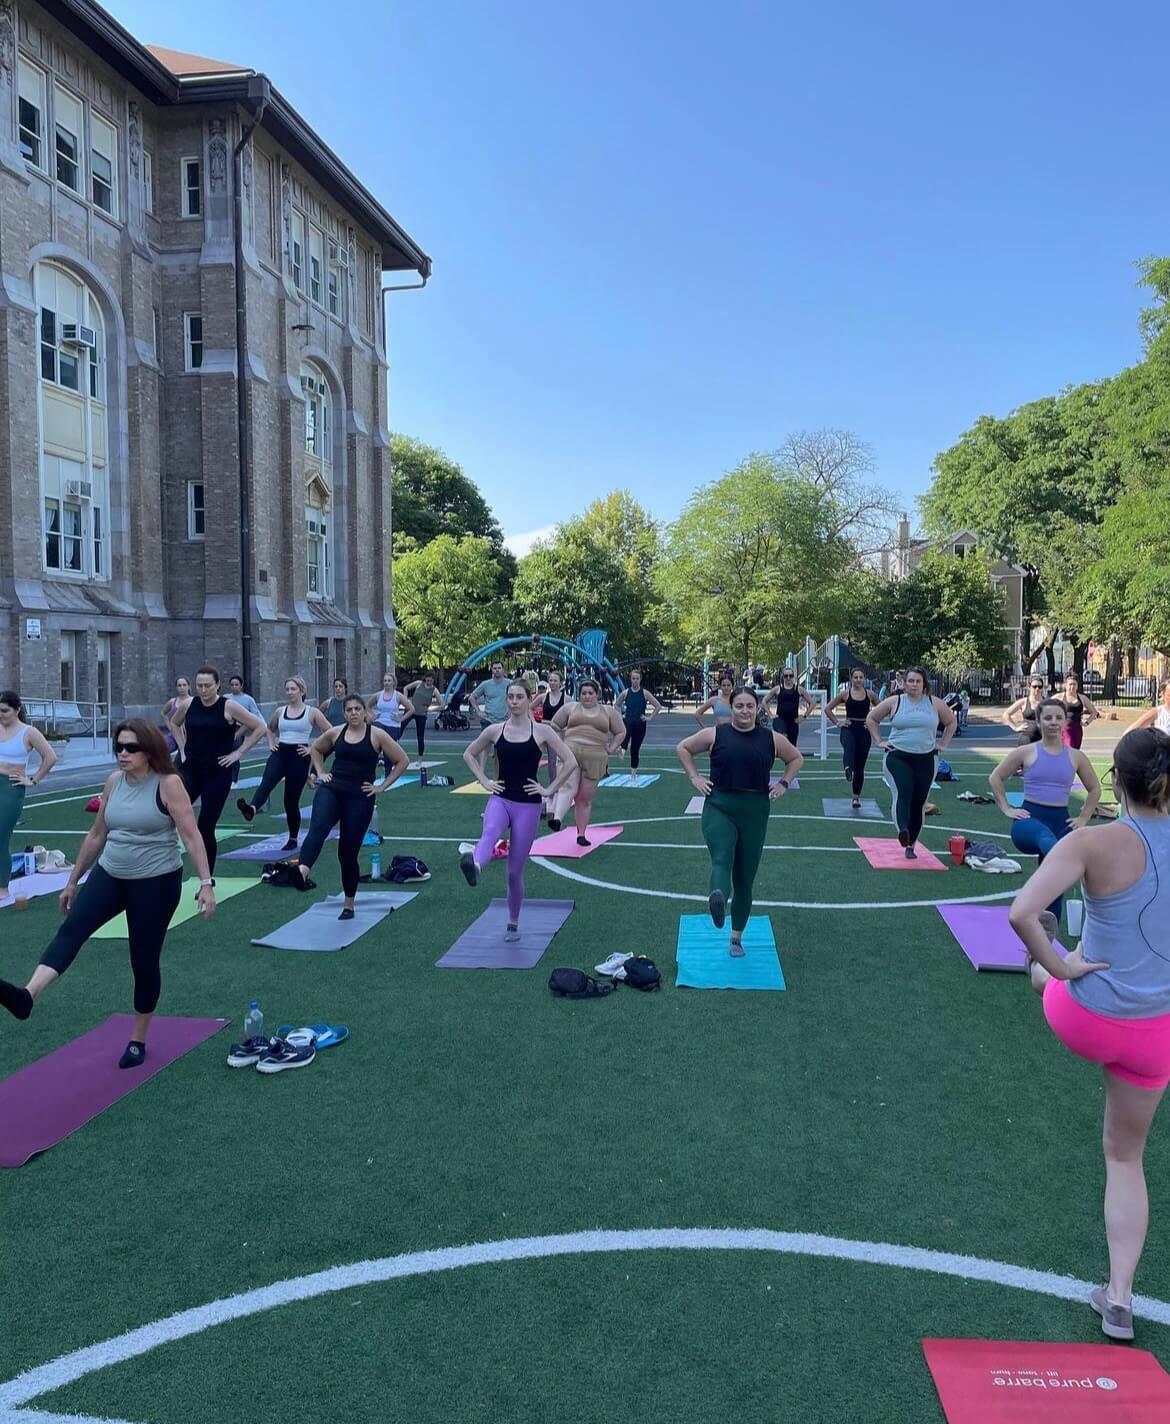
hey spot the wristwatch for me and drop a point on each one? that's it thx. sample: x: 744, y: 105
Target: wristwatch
x: 783, y: 781
x: 209, y: 884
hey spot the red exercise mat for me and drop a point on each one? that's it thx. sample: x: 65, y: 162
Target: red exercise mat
x: 992, y: 1381
x: 886, y: 854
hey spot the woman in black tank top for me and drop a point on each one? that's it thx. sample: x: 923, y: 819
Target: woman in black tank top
x: 855, y: 739
x: 738, y: 800
x: 787, y: 698
x: 345, y: 794
x: 209, y: 724
x: 516, y: 796
x: 554, y: 699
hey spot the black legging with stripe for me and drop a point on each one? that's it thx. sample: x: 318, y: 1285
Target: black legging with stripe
x: 285, y: 763
x: 210, y: 785
x: 909, y: 776
x: 855, y: 745
x: 149, y: 905
x: 635, y: 736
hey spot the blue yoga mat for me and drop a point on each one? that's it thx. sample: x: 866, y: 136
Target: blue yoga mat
x: 704, y: 961
x: 621, y: 779
x: 1015, y: 798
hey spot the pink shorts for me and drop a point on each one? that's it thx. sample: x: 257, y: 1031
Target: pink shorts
x: 1135, y: 1050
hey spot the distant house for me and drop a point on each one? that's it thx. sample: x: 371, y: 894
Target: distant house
x: 907, y: 553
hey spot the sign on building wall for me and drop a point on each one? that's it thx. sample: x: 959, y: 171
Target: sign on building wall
x: 32, y: 629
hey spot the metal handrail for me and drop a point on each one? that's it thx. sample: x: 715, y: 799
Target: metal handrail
x: 51, y: 713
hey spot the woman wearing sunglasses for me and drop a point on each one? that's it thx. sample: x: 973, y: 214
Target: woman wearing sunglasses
x: 1022, y: 716
x: 134, y: 839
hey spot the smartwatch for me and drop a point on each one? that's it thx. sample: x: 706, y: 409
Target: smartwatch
x: 783, y: 781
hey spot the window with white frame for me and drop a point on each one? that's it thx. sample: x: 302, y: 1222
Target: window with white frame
x: 338, y: 268
x: 148, y: 181
x: 316, y: 264
x: 72, y: 416
x: 320, y: 575
x: 191, y: 187
x: 68, y: 658
x: 68, y: 127
x: 196, y: 511
x: 192, y: 341
x: 298, y: 251
x: 318, y: 480
x: 103, y: 164
x: 31, y: 113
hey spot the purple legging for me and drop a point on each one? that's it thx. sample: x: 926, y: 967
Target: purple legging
x: 524, y: 820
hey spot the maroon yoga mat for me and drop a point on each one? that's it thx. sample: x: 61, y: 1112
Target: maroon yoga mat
x: 42, y: 1104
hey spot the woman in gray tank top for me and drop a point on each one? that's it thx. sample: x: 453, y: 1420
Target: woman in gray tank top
x: 1109, y: 1000
x: 144, y: 811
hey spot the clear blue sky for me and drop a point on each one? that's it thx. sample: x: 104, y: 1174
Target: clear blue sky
x: 665, y: 234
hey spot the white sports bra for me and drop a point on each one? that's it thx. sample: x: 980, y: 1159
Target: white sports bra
x: 13, y: 752
x: 295, y: 731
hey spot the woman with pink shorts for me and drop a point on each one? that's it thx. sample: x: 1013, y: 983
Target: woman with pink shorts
x: 1109, y: 1000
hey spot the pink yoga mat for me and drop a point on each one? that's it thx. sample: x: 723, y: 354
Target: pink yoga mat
x: 564, y: 843
x: 885, y: 854
x: 986, y: 937
x: 42, y: 1104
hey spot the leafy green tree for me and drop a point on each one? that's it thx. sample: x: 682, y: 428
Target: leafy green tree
x: 572, y: 582
x: 446, y: 600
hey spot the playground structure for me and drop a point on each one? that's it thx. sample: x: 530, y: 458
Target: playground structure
x: 586, y: 654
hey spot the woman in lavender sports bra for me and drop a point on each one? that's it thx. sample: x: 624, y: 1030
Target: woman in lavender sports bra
x: 1049, y: 768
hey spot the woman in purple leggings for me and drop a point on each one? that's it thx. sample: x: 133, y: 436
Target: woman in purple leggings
x: 516, y: 793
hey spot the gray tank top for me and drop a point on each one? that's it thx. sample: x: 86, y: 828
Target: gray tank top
x: 142, y: 840
x: 914, y: 725
x: 1130, y: 932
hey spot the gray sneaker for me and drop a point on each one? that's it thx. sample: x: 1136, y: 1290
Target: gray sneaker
x: 1116, y: 1320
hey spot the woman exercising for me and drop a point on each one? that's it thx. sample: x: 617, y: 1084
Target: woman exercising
x: 1049, y: 767
x: 139, y: 870
x: 516, y: 793
x: 290, y: 730
x: 334, y: 707
x: 787, y: 699
x: 345, y: 795
x: 208, y: 722
x: 182, y: 692
x: 594, y: 732
x: 737, y: 804
x: 1082, y: 711
x: 1021, y: 715
x: 554, y: 699
x: 424, y: 699
x: 636, y: 707
x: 911, y: 750
x: 1159, y: 715
x: 1109, y: 1000
x: 18, y: 741
x: 719, y: 704
x: 857, y: 701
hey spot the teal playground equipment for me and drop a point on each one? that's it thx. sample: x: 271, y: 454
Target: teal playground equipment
x: 825, y: 665
x: 584, y: 654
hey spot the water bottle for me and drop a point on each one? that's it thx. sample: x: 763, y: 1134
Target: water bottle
x: 254, y: 1021
x: 376, y: 865
x: 30, y: 861
x: 422, y: 781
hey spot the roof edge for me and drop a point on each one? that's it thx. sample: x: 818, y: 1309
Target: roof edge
x: 117, y: 45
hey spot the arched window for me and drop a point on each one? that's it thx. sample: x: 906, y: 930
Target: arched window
x: 72, y: 406
x: 318, y: 481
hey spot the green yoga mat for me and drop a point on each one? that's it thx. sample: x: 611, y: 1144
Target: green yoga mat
x: 188, y: 910
x: 704, y: 961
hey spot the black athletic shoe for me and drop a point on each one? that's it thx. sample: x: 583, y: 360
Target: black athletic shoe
x: 469, y: 868
x: 135, y: 1055
x: 857, y: 803
x: 248, y: 1053
x: 717, y: 905
x: 280, y: 1054
x: 911, y: 853
x: 346, y: 915
x: 582, y: 841
x: 16, y: 1000
x: 553, y: 823
x: 246, y: 809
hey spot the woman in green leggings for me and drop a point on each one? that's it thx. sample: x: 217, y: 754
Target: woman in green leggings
x: 735, y: 813
x: 18, y: 741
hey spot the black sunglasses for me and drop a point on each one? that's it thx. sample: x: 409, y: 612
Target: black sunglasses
x: 129, y: 747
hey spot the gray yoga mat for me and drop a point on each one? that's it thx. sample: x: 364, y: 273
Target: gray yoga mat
x: 481, y: 945
x: 270, y: 848
x: 320, y: 930
x: 841, y: 809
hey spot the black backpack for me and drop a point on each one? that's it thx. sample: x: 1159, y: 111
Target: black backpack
x: 285, y: 874
x: 576, y: 984
x: 642, y: 973
x: 406, y: 870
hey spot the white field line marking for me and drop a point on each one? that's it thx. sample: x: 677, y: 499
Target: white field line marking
x: 35, y: 803
x: 790, y: 816
x: 567, y: 874
x: 67, y: 1369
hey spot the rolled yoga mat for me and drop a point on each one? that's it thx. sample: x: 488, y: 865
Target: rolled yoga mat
x: 841, y: 808
x: 705, y: 961
x: 885, y: 854
x: 42, y: 1104
x: 481, y: 945
x: 225, y: 889
x: 621, y: 780
x: 986, y: 937
x: 319, y: 929
x: 563, y: 844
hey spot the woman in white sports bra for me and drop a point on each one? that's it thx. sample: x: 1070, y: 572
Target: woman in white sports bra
x: 17, y: 743
x: 291, y: 731
x: 1159, y: 715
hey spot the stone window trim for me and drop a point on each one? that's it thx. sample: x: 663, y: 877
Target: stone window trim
x: 191, y: 188
x: 192, y: 341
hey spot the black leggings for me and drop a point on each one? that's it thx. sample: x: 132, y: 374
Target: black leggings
x: 287, y: 764
x: 420, y: 731
x: 210, y: 786
x: 149, y: 905
x: 909, y: 775
x: 353, y: 810
x: 855, y: 744
x: 789, y: 728
x: 635, y: 736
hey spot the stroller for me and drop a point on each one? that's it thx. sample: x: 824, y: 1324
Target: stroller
x: 451, y: 719
x: 955, y: 703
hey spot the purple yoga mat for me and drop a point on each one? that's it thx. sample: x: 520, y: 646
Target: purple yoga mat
x: 270, y: 848
x: 481, y: 945
x: 986, y: 937
x: 42, y: 1104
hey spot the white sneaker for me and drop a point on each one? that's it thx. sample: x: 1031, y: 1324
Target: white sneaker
x: 612, y: 964
x: 466, y: 846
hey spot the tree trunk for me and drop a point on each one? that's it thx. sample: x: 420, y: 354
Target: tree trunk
x: 1050, y: 658
x: 1131, y: 659
x: 1112, y: 670
x: 1080, y: 658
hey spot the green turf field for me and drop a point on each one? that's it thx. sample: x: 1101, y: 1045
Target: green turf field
x: 890, y: 1095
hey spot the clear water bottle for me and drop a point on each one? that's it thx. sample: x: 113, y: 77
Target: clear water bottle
x: 30, y: 861
x: 254, y: 1021
x: 376, y: 865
